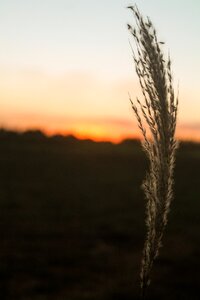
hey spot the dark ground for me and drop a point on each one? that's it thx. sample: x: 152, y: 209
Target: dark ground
x: 72, y: 221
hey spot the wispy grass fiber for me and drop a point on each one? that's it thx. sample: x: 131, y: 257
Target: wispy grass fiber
x: 157, y: 114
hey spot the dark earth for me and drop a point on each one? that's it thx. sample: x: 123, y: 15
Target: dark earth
x: 72, y: 221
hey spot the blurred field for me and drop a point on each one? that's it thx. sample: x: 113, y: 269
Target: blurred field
x: 72, y: 221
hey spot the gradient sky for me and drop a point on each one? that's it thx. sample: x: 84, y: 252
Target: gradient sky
x: 66, y: 66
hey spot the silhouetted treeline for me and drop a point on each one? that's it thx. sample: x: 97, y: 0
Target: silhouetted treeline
x: 39, y: 136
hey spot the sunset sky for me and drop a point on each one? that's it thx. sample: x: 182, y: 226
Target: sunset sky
x: 66, y: 65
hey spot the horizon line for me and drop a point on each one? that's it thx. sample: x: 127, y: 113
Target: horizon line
x: 88, y: 137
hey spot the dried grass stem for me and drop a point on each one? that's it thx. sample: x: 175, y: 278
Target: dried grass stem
x: 159, y: 111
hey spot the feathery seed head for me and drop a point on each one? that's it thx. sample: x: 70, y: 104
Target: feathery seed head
x: 159, y: 112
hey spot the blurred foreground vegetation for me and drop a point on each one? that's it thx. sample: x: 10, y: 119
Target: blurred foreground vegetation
x: 72, y: 221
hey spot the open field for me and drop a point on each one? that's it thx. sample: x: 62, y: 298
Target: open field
x: 72, y: 221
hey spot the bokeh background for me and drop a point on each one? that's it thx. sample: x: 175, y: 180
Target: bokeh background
x: 71, y: 208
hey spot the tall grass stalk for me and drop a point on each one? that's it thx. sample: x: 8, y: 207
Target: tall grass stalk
x: 157, y: 115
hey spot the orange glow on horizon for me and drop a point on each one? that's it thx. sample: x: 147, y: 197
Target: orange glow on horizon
x: 95, y: 133
x: 79, y: 103
x: 103, y: 132
x: 98, y: 137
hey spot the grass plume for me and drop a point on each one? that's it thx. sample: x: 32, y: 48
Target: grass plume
x: 158, y: 112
